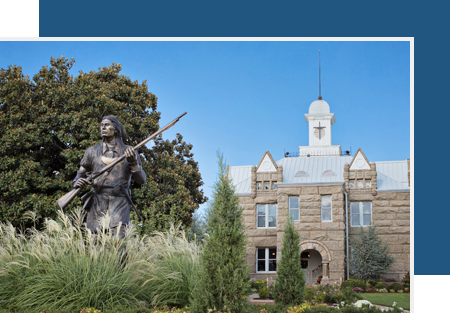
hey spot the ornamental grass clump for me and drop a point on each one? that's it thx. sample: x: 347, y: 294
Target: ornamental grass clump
x: 65, y: 267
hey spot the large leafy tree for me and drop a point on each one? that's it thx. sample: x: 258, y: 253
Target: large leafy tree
x: 290, y: 281
x: 369, y: 255
x: 48, y: 122
x: 223, y: 275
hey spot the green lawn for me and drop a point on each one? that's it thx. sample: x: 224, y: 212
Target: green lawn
x: 387, y: 299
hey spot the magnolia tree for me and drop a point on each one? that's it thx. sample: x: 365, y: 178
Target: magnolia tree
x: 369, y: 256
x: 49, y: 121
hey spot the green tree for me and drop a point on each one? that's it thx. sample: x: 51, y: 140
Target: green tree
x: 50, y: 120
x: 198, y: 228
x: 222, y: 279
x: 289, y: 286
x: 369, y: 256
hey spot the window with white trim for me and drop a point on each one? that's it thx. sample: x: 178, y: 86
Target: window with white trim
x: 266, y: 260
x: 266, y: 215
x: 294, y: 210
x: 361, y: 213
x: 325, y: 208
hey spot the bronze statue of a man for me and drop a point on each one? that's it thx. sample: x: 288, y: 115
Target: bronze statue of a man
x: 111, y: 192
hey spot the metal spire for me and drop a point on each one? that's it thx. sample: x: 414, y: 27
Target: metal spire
x: 320, y: 95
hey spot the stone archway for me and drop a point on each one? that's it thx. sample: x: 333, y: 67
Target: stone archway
x: 324, y: 252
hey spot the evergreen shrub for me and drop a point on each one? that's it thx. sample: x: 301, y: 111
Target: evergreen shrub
x: 289, y: 286
x: 263, y: 292
x: 354, y: 283
x: 222, y: 278
x: 381, y: 285
x: 395, y: 287
x: 258, y: 284
x: 370, y: 256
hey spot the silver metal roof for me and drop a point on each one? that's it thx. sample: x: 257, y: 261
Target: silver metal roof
x: 241, y: 176
x: 391, y: 175
x: 315, y: 167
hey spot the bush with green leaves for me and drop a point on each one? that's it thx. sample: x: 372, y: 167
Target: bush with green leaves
x: 354, y: 283
x: 258, y: 284
x: 347, y: 295
x: 66, y: 268
x: 395, y: 287
x: 381, y: 285
x: 263, y: 292
x: 406, y: 281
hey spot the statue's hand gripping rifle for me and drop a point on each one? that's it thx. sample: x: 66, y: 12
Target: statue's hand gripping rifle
x: 68, y: 197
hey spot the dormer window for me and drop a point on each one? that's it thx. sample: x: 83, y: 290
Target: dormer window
x: 301, y: 174
x: 328, y: 173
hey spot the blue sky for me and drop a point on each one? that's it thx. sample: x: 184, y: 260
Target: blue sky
x: 248, y: 97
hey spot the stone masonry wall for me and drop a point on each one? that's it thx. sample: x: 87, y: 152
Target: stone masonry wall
x: 327, y: 237
x: 391, y: 215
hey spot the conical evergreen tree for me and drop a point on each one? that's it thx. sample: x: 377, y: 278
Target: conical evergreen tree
x: 289, y: 286
x: 369, y: 256
x: 223, y: 276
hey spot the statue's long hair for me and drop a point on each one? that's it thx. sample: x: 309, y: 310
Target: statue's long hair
x: 121, y: 133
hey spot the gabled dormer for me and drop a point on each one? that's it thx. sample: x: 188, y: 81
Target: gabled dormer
x: 265, y: 175
x: 360, y: 175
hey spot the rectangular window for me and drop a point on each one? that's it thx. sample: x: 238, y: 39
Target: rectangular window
x: 294, y: 210
x: 351, y: 183
x: 266, y: 215
x: 361, y: 213
x: 368, y: 183
x: 274, y: 187
x: 359, y: 183
x: 258, y: 186
x: 266, y: 185
x: 266, y: 260
x: 325, y: 205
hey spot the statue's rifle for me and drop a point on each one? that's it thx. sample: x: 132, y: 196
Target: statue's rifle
x: 68, y: 197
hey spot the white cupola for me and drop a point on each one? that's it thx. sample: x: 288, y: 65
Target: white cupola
x: 320, y: 121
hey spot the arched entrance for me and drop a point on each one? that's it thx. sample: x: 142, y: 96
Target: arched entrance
x: 311, y: 265
x: 318, y: 252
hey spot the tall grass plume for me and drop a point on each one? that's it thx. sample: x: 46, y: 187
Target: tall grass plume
x: 67, y: 267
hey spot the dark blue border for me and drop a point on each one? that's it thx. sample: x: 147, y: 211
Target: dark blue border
x: 426, y: 23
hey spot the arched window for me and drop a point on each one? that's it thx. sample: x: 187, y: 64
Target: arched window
x: 301, y: 174
x: 328, y: 173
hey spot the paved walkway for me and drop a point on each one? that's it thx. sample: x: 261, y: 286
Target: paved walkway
x: 254, y: 299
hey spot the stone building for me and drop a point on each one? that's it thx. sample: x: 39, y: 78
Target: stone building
x: 330, y: 196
